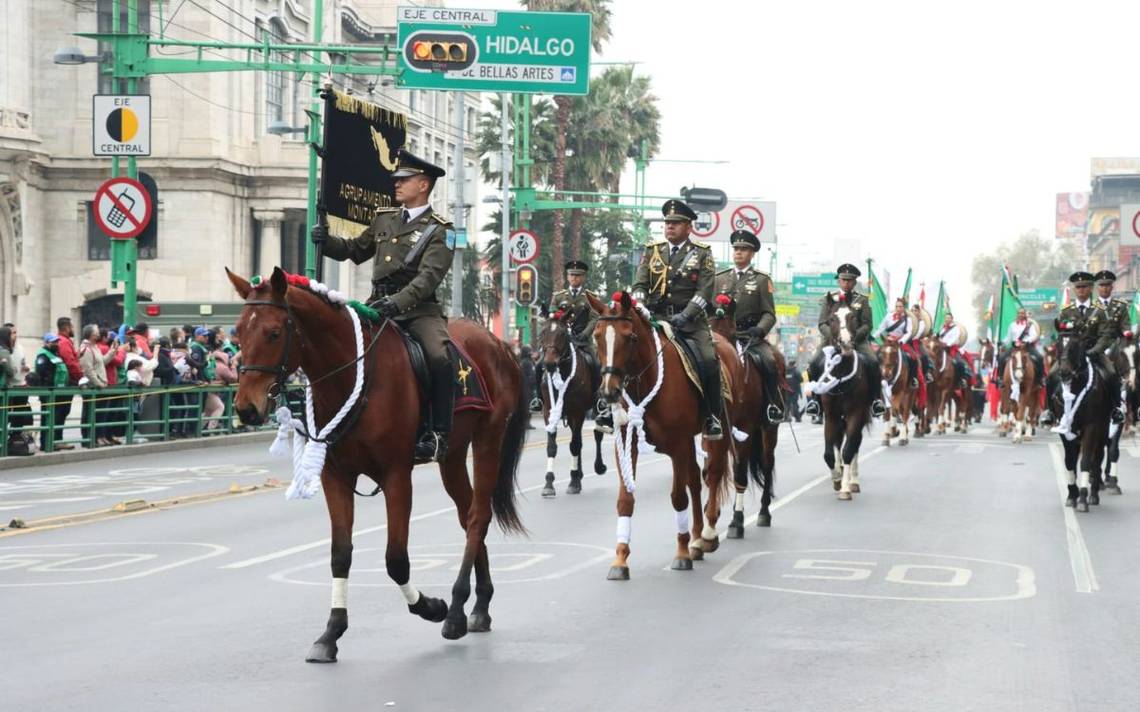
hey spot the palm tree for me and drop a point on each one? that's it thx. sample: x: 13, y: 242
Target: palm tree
x: 599, y: 33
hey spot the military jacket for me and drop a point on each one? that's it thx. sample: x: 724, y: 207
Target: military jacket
x: 681, y: 282
x: 859, y: 305
x: 584, y: 317
x: 1116, y: 313
x: 753, y: 292
x: 1092, y: 327
x: 392, y: 242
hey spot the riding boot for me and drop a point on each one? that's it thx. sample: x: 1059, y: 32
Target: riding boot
x: 433, y: 445
x: 775, y: 410
x: 603, y: 417
x: 1047, y: 413
x: 876, y: 378
x: 715, y: 401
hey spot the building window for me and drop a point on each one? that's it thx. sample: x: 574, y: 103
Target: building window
x: 412, y: 101
x: 470, y: 122
x: 275, y: 87
x: 104, y: 24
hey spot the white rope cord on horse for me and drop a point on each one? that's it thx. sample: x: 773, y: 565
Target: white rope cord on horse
x: 1072, y: 403
x: 554, y: 381
x: 309, y: 455
x: 635, y: 417
x: 1015, y: 380
x: 828, y: 382
x: 889, y: 387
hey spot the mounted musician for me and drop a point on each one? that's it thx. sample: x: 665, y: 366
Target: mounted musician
x: 951, y: 337
x: 922, y: 328
x: 1024, y: 332
x: 574, y: 300
x: 899, y: 326
x: 755, y: 315
x: 675, y: 281
x: 413, y: 246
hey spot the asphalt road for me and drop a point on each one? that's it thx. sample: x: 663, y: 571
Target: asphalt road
x: 955, y: 581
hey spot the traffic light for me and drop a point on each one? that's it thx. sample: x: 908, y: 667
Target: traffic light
x: 526, y: 285
x: 439, y: 51
x: 709, y: 200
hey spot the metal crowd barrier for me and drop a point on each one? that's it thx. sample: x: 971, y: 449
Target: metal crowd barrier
x: 133, y: 413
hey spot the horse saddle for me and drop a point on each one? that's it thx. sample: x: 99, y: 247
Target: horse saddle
x: 692, y: 364
x: 470, y: 388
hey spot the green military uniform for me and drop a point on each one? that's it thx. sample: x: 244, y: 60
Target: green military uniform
x: 860, y: 307
x: 755, y: 315
x: 676, y: 282
x: 584, y: 317
x: 1092, y: 324
x: 412, y: 255
x: 1117, y: 323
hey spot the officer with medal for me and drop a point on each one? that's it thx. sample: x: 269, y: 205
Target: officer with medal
x: 583, y: 319
x: 1119, y: 327
x: 413, y: 247
x: 1087, y: 319
x: 755, y: 314
x: 675, y: 281
x: 846, y: 275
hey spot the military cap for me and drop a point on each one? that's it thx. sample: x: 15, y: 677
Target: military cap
x: 410, y: 165
x: 577, y: 267
x: 848, y: 271
x: 744, y: 238
x: 676, y: 210
x: 1081, y: 279
x: 1105, y: 277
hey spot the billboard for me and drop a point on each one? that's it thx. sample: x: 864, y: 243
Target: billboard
x: 1072, y: 213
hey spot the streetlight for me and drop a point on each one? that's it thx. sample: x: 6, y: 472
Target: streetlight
x: 74, y: 55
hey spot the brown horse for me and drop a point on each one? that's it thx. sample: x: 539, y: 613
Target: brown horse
x: 939, y: 391
x: 756, y: 453
x: 896, y: 382
x: 655, y: 404
x: 284, y: 328
x: 1020, y: 396
x: 567, y: 387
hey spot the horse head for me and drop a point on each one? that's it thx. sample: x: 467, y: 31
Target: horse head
x: 554, y: 340
x: 617, y: 336
x: 268, y: 331
x: 842, y: 323
x: 889, y: 357
x: 723, y: 320
x: 1070, y: 355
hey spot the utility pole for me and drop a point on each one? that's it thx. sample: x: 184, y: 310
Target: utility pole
x: 505, y: 232
x: 314, y: 112
x: 458, y: 205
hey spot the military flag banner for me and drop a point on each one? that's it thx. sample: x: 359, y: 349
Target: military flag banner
x: 906, y: 287
x: 940, y: 306
x: 1008, y: 305
x: 878, y: 297
x: 361, y: 141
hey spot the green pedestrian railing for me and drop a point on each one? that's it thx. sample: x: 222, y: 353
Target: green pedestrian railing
x: 131, y: 414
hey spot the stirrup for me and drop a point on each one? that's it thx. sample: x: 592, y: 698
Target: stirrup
x: 431, y: 447
x: 713, y: 428
x: 812, y: 407
x: 603, y: 416
x: 775, y: 413
x: 1117, y: 415
x: 877, y: 408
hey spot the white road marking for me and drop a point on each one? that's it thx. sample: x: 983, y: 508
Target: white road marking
x: 1083, y: 574
x: 213, y: 550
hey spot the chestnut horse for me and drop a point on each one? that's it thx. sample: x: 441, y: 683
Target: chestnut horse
x: 756, y: 453
x: 1020, y: 397
x: 897, y: 383
x: 940, y: 392
x: 654, y: 403
x: 567, y: 387
x: 283, y: 328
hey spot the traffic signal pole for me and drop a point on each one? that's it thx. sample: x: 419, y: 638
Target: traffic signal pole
x: 505, y: 222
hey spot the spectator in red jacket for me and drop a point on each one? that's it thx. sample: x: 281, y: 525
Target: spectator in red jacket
x: 141, y: 335
x: 67, y: 350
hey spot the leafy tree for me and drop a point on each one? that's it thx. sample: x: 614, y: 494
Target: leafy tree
x: 1037, y: 261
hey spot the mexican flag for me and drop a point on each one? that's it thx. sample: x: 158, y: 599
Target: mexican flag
x: 989, y: 317
x: 1134, y: 309
x: 1008, y: 305
x: 940, y: 307
x: 878, y: 296
x: 906, y: 288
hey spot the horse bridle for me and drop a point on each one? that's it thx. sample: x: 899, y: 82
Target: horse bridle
x: 616, y: 370
x: 281, y: 370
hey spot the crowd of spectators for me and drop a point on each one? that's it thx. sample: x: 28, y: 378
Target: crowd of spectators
x: 101, y: 357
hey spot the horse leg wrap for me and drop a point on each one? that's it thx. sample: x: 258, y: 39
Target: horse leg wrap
x: 738, y: 504
x: 550, y: 464
x: 1084, y: 480
x: 1071, y: 477
x: 624, y: 526
x: 340, y: 593
x: 411, y: 594
x: 683, y: 521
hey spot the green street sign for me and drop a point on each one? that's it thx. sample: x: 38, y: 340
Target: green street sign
x: 1034, y: 299
x: 813, y: 284
x: 486, y: 50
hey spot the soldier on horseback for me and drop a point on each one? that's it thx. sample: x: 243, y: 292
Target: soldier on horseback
x: 413, y: 247
x: 861, y: 307
x: 583, y: 319
x: 1088, y: 320
x: 1118, y: 328
x: 755, y: 314
x: 675, y: 281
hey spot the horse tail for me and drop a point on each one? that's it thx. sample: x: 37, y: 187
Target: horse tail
x: 755, y: 455
x: 503, y: 501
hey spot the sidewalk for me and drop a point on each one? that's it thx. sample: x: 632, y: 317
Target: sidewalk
x: 44, y: 459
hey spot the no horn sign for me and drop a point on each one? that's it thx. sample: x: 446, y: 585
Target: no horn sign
x: 122, y: 208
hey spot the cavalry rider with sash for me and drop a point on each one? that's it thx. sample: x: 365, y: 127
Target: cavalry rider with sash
x: 1024, y: 331
x: 1118, y: 328
x: 927, y: 365
x: 675, y: 281
x: 950, y: 335
x: 583, y: 319
x: 1088, y: 320
x: 755, y: 314
x: 861, y: 307
x: 413, y: 247
x: 897, y: 326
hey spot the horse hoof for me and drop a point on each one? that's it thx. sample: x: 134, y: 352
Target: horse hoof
x: 1094, y: 499
x: 696, y: 553
x: 735, y: 531
x: 844, y: 496
x: 855, y: 488
x: 599, y: 469
x: 430, y: 609
x: 1001, y: 433
x: 548, y: 491
x: 836, y: 485
x: 680, y: 564
x: 904, y: 443
x: 1082, y: 506
x: 618, y: 573
x: 479, y: 623
x: 1114, y: 489
x: 575, y: 487
x: 886, y: 442
x: 321, y: 653
x: 454, y: 628
x: 764, y: 520
x: 710, y: 545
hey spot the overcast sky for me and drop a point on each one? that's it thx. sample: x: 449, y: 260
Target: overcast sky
x: 927, y: 131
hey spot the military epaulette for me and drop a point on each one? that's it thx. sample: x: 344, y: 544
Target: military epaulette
x: 724, y: 271
x: 655, y: 243
x: 701, y: 244
x: 1098, y: 305
x: 442, y: 220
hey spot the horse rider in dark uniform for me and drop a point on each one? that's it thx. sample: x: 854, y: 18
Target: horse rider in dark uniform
x: 583, y: 319
x: 861, y: 308
x: 755, y: 314
x: 675, y: 280
x: 1119, y: 327
x: 413, y: 247
x: 1089, y: 321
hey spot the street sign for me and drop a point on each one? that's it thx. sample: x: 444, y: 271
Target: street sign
x: 122, y: 208
x: 120, y: 125
x: 706, y: 224
x: 1130, y: 225
x: 756, y: 216
x: 813, y: 284
x: 748, y: 217
x: 523, y: 246
x: 487, y: 50
x: 1036, y: 299
x: 787, y: 310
